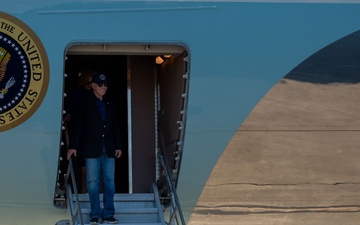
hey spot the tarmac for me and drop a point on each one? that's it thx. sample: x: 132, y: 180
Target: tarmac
x: 294, y: 160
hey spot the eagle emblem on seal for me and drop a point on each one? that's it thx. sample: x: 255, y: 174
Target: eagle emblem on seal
x: 4, y: 59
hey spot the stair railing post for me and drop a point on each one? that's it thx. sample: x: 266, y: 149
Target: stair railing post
x: 175, y: 208
x: 77, y: 211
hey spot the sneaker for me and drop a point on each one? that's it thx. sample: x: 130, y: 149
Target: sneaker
x: 94, y: 220
x: 111, y: 219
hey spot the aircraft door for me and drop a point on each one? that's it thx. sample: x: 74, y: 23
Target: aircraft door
x: 141, y: 85
x: 149, y: 96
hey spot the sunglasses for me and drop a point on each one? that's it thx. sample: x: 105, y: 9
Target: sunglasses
x: 103, y: 84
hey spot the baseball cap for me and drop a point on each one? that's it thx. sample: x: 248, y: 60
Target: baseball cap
x: 99, y: 78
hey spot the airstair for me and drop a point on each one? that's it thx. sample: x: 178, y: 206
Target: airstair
x: 132, y: 208
x: 135, y: 209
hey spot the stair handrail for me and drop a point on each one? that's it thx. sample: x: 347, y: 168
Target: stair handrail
x: 175, y: 203
x: 75, y: 213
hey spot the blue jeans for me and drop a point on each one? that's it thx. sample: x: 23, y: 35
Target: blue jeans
x: 93, y: 168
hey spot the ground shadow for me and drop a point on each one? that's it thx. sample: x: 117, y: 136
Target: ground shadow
x: 338, y: 62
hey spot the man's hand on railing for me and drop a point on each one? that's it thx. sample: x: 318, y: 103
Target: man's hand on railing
x: 118, y: 153
x: 71, y: 152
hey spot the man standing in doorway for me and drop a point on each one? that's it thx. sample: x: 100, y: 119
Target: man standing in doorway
x: 96, y: 137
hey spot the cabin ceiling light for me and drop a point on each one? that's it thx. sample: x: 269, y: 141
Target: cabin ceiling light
x: 159, y: 60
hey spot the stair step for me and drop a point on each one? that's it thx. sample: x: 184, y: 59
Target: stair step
x: 124, y: 205
x: 130, y: 223
x: 121, y: 197
x: 128, y: 210
x: 131, y: 219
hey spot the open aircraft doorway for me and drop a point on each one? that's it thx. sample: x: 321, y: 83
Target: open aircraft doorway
x: 149, y: 83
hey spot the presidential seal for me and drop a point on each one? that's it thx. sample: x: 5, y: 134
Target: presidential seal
x: 24, y: 72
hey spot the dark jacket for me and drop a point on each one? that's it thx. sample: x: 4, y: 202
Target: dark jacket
x: 89, y: 134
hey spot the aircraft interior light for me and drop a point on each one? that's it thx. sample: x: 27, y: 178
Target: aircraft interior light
x: 159, y: 60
